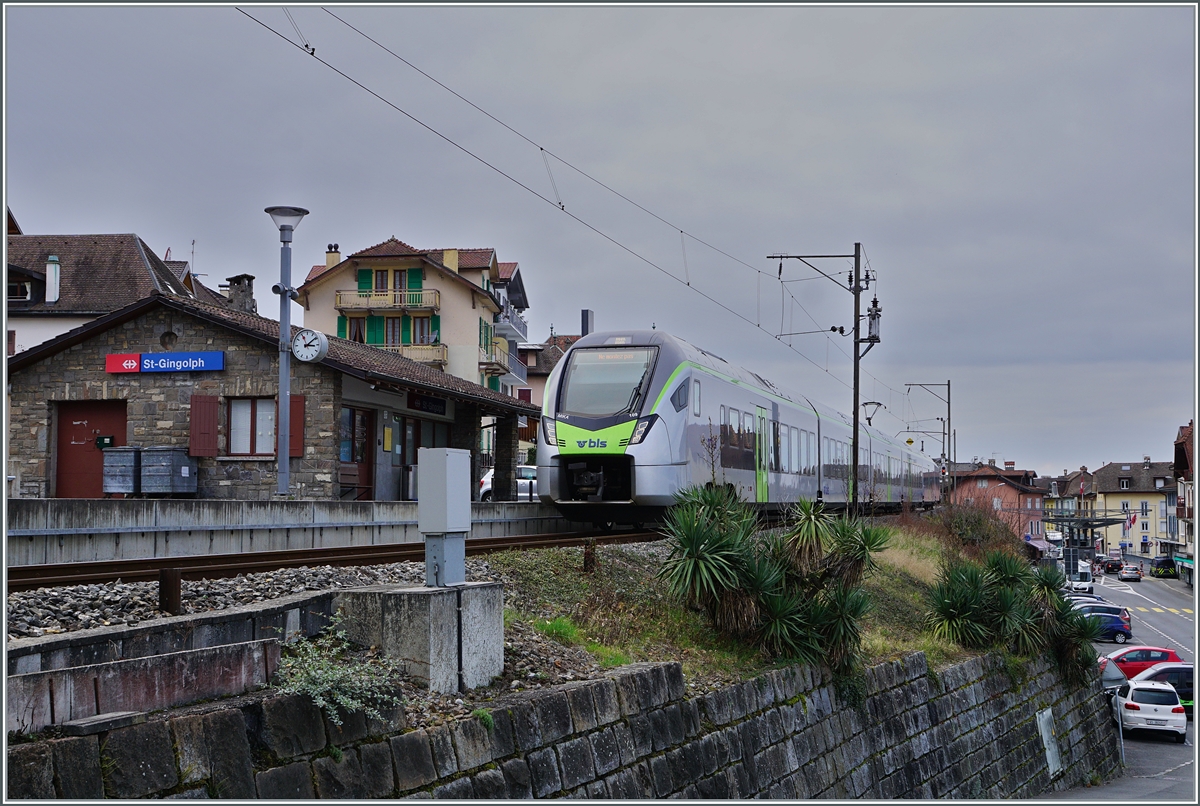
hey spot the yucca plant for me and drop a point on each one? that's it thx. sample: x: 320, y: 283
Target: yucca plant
x: 807, y: 534
x: 786, y: 628
x: 957, y: 606
x: 1006, y: 570
x: 1072, y: 646
x: 704, y: 562
x: 854, y: 545
x: 845, y: 606
x: 1013, y: 621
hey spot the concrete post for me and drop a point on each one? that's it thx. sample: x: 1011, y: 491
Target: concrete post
x: 504, y: 481
x: 465, y: 436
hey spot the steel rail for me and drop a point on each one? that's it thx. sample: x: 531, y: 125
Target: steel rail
x: 216, y: 566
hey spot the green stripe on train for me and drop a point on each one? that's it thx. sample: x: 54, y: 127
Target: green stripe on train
x: 573, y: 439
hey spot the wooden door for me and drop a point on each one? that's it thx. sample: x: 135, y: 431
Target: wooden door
x: 357, y: 453
x: 79, y: 459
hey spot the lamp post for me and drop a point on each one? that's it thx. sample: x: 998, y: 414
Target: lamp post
x: 286, y: 219
x: 855, y: 286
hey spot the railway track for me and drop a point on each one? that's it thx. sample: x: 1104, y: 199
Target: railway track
x: 216, y: 566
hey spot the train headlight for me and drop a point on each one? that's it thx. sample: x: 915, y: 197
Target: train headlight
x: 639, y: 430
x: 549, y: 428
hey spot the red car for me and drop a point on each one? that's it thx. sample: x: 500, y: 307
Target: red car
x: 1134, y: 659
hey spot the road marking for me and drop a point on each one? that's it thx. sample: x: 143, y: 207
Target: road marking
x: 1158, y: 610
x: 1173, y: 610
x: 1143, y: 609
x: 1164, y: 772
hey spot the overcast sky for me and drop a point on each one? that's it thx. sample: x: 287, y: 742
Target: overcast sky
x: 1022, y: 179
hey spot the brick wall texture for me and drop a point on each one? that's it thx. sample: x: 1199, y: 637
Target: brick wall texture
x: 966, y: 732
x: 159, y: 405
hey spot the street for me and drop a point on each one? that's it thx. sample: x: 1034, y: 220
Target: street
x: 1156, y: 768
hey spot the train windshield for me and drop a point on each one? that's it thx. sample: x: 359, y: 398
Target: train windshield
x: 606, y: 381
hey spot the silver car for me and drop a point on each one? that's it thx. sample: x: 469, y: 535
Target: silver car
x: 1146, y: 705
x: 526, y: 484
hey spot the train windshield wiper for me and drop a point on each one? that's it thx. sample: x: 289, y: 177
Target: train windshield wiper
x: 635, y: 398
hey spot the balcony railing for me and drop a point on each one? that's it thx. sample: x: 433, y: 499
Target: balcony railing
x: 493, y: 362
x: 517, y: 370
x: 510, y: 324
x: 423, y: 299
x: 423, y: 353
x: 1183, y: 512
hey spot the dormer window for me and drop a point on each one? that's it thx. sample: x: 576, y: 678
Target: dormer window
x: 1160, y: 483
x: 19, y: 290
x: 1124, y: 484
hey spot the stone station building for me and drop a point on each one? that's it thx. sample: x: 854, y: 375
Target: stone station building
x: 358, y: 416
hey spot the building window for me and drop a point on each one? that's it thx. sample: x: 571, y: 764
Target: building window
x: 1124, y: 484
x: 1124, y: 506
x: 356, y: 329
x: 996, y: 504
x: 12, y: 342
x: 252, y: 426
x: 1160, y: 483
x: 393, y: 334
x: 1145, y: 526
x: 398, y: 280
x: 981, y: 483
x: 381, y: 278
x: 1145, y: 508
x: 18, y: 289
x: 421, y: 333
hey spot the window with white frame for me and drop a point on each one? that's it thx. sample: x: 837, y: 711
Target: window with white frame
x: 1145, y: 508
x: 1124, y: 506
x: 981, y: 483
x: 996, y: 503
x: 1145, y: 526
x: 252, y: 426
x: 1124, y: 484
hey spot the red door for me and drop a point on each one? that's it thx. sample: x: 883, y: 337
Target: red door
x: 79, y: 459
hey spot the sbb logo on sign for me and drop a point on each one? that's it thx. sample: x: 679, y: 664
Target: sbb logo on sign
x: 123, y: 362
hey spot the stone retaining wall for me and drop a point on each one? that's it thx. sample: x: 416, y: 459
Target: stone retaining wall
x: 966, y: 732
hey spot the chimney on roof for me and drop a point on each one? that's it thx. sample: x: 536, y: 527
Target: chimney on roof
x: 1146, y: 462
x: 241, y: 293
x: 1010, y: 465
x: 332, y: 255
x: 450, y: 259
x: 588, y: 324
x: 53, y: 278
x: 992, y: 461
x: 1083, y: 468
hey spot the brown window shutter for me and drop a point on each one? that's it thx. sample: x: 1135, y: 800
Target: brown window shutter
x: 296, y: 426
x: 202, y: 441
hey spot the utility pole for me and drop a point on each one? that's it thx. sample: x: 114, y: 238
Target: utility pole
x: 855, y: 287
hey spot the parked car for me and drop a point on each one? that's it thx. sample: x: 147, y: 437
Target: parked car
x: 1180, y: 676
x: 1148, y: 705
x: 1083, y: 597
x: 526, y: 484
x: 1130, y: 573
x: 1112, y: 628
x: 1112, y: 566
x: 1104, y: 608
x: 1163, y: 567
x: 1136, y: 659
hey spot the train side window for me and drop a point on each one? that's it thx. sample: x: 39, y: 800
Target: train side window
x: 785, y: 449
x: 748, y: 431
x: 795, y: 451
x: 735, y: 426
x: 811, y: 439
x: 696, y: 398
x: 680, y: 398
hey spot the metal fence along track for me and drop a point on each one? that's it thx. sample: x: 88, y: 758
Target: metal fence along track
x: 215, y: 566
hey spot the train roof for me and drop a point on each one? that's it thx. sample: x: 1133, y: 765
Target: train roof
x: 677, y: 351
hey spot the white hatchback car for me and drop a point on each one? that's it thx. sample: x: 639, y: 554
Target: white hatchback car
x: 1147, y: 705
x: 526, y: 484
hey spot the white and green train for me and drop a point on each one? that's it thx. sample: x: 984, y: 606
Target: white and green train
x: 630, y: 418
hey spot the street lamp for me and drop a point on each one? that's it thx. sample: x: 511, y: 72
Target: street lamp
x: 286, y: 219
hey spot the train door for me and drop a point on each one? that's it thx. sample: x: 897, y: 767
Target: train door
x: 85, y: 428
x: 760, y: 456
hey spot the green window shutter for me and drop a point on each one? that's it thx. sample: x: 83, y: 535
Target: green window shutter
x: 341, y: 327
x: 366, y: 280
x: 481, y: 333
x: 494, y: 383
x: 406, y: 329
x: 375, y: 330
x: 414, y: 279
x: 435, y: 328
